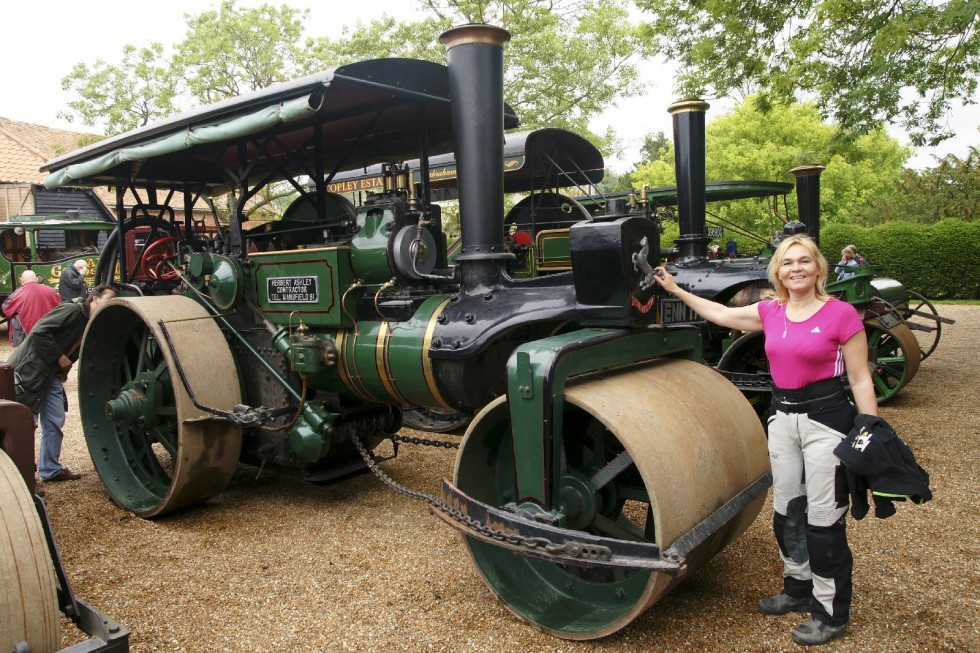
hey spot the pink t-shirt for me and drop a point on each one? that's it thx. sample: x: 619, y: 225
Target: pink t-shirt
x: 805, y: 352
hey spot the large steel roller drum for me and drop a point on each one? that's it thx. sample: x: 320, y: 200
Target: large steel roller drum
x: 28, y: 590
x: 153, y: 448
x: 695, y: 442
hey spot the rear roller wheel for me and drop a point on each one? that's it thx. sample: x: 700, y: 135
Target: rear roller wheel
x: 893, y: 355
x: 691, y: 442
x: 747, y: 355
x: 29, y: 600
x: 435, y: 420
x: 153, y: 448
x: 926, y: 330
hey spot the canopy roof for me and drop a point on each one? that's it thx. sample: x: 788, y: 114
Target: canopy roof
x: 715, y: 191
x: 533, y: 160
x: 33, y: 222
x: 354, y: 115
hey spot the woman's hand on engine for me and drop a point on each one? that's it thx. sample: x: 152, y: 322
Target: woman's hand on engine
x: 665, y: 279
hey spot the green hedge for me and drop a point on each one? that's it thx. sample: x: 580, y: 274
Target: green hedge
x: 940, y: 261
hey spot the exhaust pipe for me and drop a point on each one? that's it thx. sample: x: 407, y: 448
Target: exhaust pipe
x: 689, y: 165
x: 476, y: 87
x: 808, y: 198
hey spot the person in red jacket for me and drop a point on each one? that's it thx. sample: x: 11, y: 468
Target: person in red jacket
x: 28, y: 304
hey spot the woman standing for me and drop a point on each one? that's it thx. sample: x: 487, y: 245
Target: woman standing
x: 811, y: 340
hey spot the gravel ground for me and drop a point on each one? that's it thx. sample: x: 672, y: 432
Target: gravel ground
x: 276, y: 564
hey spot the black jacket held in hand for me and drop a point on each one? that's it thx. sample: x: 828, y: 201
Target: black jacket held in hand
x: 876, y: 459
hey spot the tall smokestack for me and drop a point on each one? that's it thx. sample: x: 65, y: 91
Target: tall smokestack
x: 689, y: 163
x: 476, y: 87
x: 808, y: 198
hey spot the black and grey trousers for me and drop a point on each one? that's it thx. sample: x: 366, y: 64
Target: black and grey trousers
x: 810, y: 495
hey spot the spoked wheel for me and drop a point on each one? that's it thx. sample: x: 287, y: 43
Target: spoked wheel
x: 893, y: 355
x: 635, y: 465
x: 434, y: 420
x: 927, y: 331
x: 155, y: 258
x: 29, y: 600
x: 153, y: 448
x: 747, y: 355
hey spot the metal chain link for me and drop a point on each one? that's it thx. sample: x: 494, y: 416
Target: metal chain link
x: 424, y: 442
x: 568, y: 548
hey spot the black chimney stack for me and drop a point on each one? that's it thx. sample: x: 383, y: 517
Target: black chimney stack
x: 476, y: 87
x: 808, y: 198
x: 689, y: 164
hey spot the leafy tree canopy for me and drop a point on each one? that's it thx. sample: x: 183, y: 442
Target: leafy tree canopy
x: 951, y: 189
x: 865, y: 61
x: 751, y: 144
x: 566, y: 62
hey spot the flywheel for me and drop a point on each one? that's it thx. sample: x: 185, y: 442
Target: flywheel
x: 151, y: 366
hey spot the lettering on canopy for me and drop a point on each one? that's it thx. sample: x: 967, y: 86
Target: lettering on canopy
x: 292, y: 290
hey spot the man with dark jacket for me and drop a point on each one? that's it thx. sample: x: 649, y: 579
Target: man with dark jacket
x: 72, y: 282
x: 41, y: 365
x: 28, y: 304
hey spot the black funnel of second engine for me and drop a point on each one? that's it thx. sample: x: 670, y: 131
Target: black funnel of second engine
x: 476, y: 87
x: 689, y: 164
x: 808, y: 197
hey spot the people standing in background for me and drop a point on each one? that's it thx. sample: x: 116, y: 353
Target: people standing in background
x: 41, y: 365
x: 28, y: 304
x: 858, y: 259
x: 846, y: 261
x: 72, y: 283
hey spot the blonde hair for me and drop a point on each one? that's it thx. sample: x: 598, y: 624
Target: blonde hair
x: 772, y: 271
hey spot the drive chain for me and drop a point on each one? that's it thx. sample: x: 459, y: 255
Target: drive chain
x: 424, y: 442
x: 543, y: 543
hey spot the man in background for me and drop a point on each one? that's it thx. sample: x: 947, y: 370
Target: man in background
x: 29, y: 303
x: 41, y: 365
x: 72, y: 283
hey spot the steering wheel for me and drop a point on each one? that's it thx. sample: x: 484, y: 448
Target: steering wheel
x: 153, y: 261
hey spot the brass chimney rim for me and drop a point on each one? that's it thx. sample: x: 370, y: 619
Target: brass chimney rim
x: 688, y: 105
x: 808, y: 170
x: 474, y: 33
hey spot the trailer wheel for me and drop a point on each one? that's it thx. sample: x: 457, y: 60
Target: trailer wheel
x: 28, y: 598
x: 693, y: 443
x: 154, y: 449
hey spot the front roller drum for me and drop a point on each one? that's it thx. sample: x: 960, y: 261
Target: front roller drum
x: 646, y: 455
x: 28, y: 589
x: 155, y: 450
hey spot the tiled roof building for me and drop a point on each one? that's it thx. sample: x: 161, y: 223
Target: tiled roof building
x: 24, y: 147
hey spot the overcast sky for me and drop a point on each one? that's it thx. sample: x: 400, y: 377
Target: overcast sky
x: 41, y: 41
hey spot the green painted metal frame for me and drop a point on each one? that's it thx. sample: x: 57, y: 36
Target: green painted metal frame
x: 537, y: 373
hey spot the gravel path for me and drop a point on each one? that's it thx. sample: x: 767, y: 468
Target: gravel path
x: 276, y: 564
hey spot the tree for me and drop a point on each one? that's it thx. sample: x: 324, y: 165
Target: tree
x: 865, y: 61
x: 232, y: 51
x: 138, y: 91
x: 754, y: 144
x: 950, y: 189
x: 566, y: 62
x: 654, y: 146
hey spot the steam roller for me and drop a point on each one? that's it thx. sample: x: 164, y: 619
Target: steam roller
x: 142, y: 405
x: 636, y: 468
x: 28, y: 598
